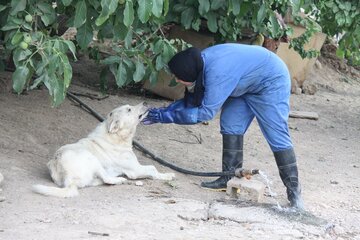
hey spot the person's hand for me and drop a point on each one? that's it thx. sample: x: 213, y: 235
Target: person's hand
x: 153, y: 116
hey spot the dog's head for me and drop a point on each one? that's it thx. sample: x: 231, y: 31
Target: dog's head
x: 125, y: 118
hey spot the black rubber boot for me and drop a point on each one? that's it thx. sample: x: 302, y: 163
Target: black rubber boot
x: 286, y: 162
x: 232, y: 158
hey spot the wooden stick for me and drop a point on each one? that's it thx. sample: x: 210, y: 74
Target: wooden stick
x: 305, y: 115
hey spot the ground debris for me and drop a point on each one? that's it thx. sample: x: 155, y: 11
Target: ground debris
x: 99, y: 234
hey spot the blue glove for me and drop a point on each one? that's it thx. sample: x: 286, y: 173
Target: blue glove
x: 150, y: 119
x: 178, y: 116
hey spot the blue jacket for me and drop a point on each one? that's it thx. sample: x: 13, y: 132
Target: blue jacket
x: 230, y: 70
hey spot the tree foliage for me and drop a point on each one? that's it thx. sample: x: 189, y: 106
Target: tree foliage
x: 136, y: 29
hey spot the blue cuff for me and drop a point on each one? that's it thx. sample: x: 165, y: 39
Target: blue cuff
x: 184, y: 116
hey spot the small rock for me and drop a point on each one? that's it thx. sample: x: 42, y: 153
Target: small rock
x: 318, y: 64
x: 309, y: 89
x: 171, y: 201
x: 139, y: 183
x: 251, y: 189
x: 297, y: 91
x: 46, y: 220
x: 181, y: 228
x: 334, y: 182
x: 2, y: 199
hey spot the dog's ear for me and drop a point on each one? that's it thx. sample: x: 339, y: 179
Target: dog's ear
x: 115, y: 126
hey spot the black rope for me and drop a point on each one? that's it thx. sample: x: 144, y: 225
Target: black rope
x: 141, y: 148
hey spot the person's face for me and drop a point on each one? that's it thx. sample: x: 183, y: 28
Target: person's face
x: 182, y: 82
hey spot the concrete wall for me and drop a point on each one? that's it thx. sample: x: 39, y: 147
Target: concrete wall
x: 299, y: 68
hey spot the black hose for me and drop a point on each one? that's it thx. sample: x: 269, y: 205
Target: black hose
x: 137, y: 145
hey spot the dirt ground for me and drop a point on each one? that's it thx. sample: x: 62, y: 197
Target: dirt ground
x: 328, y: 153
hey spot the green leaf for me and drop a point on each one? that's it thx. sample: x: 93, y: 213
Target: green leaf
x: 20, y: 55
x: 274, y: 27
x: 59, y: 92
x: 204, y: 7
x: 187, y: 16
x: 139, y: 72
x: 129, y: 64
x: 19, y: 78
x: 10, y: 26
x: 159, y: 63
x: 108, y: 8
x: 261, y: 14
x: 80, y: 14
x: 66, y: 2
x: 128, y: 39
x: 166, y: 7
x: 67, y: 69
x: 196, y: 24
x: 17, y: 6
x: 157, y: 7
x: 144, y: 10
x: 111, y: 60
x: 236, y: 6
x: 215, y: 5
x: 153, y: 77
x: 17, y: 38
x: 42, y: 64
x: 48, y: 19
x: 45, y: 7
x: 167, y: 53
x: 2, y: 7
x: 296, y: 6
x: 95, y: 3
x: 121, y: 74
x: 212, y: 23
x: 128, y: 13
x: 36, y: 82
x: 158, y: 46
x: 27, y: 26
x: 71, y: 47
x: 84, y: 35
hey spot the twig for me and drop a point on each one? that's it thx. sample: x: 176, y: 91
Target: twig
x: 98, y: 234
x: 199, y: 139
x: 173, y: 139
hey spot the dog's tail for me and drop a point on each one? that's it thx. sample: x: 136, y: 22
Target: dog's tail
x: 66, y: 192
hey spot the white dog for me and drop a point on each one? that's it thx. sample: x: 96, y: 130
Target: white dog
x: 102, y: 157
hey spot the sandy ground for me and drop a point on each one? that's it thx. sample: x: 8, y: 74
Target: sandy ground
x: 328, y: 153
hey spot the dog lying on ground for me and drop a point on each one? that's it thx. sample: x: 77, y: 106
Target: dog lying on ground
x: 102, y: 157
